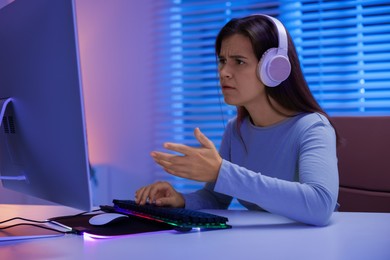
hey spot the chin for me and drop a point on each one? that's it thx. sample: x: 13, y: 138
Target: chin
x: 230, y: 102
x: 227, y: 101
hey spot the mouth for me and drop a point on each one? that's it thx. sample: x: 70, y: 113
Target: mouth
x: 226, y: 87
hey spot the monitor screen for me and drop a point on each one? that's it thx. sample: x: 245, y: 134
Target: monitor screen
x: 43, y: 145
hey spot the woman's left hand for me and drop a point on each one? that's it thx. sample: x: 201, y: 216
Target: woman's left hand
x: 196, y: 163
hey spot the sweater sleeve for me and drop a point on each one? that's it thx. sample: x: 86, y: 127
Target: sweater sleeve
x: 207, y: 198
x: 310, y: 200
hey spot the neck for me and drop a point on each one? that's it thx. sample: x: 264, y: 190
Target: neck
x: 267, y: 114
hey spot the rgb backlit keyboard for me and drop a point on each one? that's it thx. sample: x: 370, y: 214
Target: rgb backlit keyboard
x: 182, y: 219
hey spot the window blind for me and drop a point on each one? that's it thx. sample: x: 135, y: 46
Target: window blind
x: 343, y: 47
x: 187, y: 93
x: 344, y: 50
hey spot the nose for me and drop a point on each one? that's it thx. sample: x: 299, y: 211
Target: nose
x: 225, y: 72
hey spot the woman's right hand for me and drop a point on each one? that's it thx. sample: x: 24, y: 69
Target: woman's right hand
x: 160, y: 193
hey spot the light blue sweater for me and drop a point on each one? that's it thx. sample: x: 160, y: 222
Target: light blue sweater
x: 289, y: 169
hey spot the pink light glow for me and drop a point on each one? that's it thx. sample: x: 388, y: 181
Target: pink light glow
x: 93, y: 237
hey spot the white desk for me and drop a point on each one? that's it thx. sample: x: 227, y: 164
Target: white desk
x: 255, y: 235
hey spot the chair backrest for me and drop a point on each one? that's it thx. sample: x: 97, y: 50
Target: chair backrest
x: 364, y: 163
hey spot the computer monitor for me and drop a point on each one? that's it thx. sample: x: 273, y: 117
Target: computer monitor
x: 43, y: 138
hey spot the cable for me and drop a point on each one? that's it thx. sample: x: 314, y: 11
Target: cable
x: 43, y: 222
x: 39, y: 226
x: 24, y: 219
x: 76, y: 215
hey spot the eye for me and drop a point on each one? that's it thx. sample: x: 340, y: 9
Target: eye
x: 240, y: 62
x: 221, y: 61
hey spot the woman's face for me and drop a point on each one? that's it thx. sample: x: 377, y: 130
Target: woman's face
x: 237, y: 72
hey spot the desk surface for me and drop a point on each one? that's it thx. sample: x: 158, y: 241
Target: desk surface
x: 255, y: 235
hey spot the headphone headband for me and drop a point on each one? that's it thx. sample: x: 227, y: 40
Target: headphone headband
x: 282, y: 34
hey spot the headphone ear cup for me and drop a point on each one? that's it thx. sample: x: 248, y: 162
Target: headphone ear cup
x: 273, y: 68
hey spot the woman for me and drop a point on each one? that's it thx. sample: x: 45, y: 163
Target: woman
x: 278, y: 154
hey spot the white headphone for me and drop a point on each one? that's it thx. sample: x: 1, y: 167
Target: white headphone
x: 274, y: 66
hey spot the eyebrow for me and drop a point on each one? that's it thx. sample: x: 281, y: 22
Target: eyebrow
x: 233, y: 57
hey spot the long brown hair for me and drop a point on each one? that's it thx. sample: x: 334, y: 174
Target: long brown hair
x: 293, y: 93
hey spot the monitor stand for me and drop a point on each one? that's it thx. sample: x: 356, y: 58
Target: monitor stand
x: 8, y: 126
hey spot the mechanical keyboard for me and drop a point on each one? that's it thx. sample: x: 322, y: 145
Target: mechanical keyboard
x: 181, y: 219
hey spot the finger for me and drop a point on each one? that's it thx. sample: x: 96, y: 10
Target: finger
x: 160, y: 156
x: 160, y: 194
x: 163, y: 164
x: 144, y: 196
x: 158, y: 190
x: 138, y: 195
x: 173, y: 162
x: 165, y: 201
x: 178, y: 165
x: 203, y: 140
x: 180, y: 148
x: 168, y: 198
